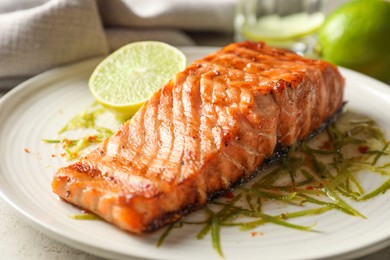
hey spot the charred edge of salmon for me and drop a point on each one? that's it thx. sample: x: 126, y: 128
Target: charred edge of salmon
x: 172, y: 217
x: 279, y: 153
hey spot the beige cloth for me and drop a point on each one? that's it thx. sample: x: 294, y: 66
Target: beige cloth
x: 37, y: 35
x: 45, y: 36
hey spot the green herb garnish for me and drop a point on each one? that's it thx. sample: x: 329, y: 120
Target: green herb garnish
x: 86, y: 120
x: 85, y: 216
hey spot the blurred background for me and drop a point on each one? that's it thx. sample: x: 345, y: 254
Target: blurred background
x: 37, y: 35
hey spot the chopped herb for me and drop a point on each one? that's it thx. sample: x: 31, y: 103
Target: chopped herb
x: 85, y: 216
x: 382, y: 189
x: 215, y: 233
x: 86, y: 120
x: 165, y: 234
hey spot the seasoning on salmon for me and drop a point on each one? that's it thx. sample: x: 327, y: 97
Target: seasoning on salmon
x: 204, y: 132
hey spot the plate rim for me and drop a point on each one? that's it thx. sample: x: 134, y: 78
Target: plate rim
x: 90, y: 248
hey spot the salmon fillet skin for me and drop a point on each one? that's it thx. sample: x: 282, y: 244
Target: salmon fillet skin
x: 204, y: 132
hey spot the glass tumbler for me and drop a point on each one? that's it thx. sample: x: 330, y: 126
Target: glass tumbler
x: 290, y: 24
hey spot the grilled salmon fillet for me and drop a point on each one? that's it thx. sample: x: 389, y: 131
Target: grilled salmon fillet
x: 206, y: 130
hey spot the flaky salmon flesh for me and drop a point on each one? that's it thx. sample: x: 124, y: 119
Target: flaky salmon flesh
x: 206, y: 130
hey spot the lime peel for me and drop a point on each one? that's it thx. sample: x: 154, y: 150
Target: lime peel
x: 356, y: 35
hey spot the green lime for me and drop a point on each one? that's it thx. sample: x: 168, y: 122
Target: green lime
x: 276, y: 28
x: 124, y: 80
x: 357, y: 36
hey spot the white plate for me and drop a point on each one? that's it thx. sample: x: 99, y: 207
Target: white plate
x: 39, y: 107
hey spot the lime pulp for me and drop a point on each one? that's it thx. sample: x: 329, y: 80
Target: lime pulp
x: 124, y: 80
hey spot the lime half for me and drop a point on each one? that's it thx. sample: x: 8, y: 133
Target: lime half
x: 276, y: 28
x: 124, y: 80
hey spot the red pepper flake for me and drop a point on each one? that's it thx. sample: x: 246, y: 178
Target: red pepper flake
x: 91, y: 138
x: 228, y: 195
x: 26, y: 150
x: 326, y: 145
x: 309, y: 188
x: 53, y: 155
x: 63, y: 154
x: 363, y: 149
x: 253, y: 234
x: 66, y: 142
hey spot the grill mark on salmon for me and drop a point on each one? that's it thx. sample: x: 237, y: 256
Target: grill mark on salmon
x: 208, y: 113
x: 117, y: 146
x: 205, y: 131
x: 152, y: 136
x: 176, y: 156
x: 165, y: 131
x: 191, y: 104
